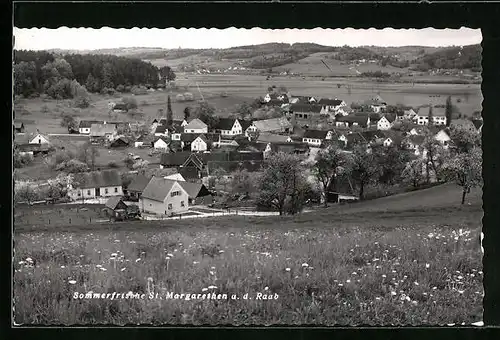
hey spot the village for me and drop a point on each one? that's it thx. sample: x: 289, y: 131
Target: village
x: 194, y: 158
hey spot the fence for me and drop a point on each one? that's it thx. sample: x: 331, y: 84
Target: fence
x: 149, y: 217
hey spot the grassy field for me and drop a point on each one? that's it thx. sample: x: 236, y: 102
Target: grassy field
x: 419, y: 263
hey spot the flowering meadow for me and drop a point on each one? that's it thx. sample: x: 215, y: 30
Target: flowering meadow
x: 370, y: 271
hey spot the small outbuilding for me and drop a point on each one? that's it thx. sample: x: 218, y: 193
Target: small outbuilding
x: 116, y: 208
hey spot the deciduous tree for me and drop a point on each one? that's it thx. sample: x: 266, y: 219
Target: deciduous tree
x: 364, y: 168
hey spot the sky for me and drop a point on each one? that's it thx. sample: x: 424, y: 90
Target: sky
x: 91, y: 39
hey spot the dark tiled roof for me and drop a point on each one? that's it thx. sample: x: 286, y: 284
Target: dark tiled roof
x: 115, y: 202
x: 98, y: 179
x: 195, y: 190
x: 225, y: 124
x: 86, y: 124
x: 330, y: 102
x: 305, y: 108
x: 250, y: 166
x: 120, y: 141
x: 360, y: 119
x: 245, y: 123
x: 289, y: 147
x: 138, y: 183
x: 158, y: 188
x: 189, y: 137
x: 174, y: 159
x: 477, y: 123
x: 161, y: 129
x: 315, y: 134
x: 189, y: 172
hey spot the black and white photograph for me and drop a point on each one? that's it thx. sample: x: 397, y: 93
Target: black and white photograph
x: 202, y: 176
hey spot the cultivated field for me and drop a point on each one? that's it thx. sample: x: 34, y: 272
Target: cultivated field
x: 420, y: 263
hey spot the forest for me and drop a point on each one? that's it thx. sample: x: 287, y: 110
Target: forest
x: 70, y: 75
x: 466, y: 57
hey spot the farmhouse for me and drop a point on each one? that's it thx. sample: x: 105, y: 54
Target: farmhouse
x: 85, y: 125
x: 376, y: 103
x: 96, y: 184
x: 32, y: 149
x: 443, y: 137
x: 196, y: 126
x: 407, y: 114
x: 229, y: 126
x: 287, y: 147
x: 198, y: 194
x: 357, y: 119
x: 302, y: 99
x: 331, y: 105
x: 161, y: 143
x: 275, y: 125
x: 99, y: 132
x: 120, y: 142
x: 187, y: 139
x: 385, y: 123
x: 164, y: 197
x: 340, y: 189
x: 316, y: 137
x: 162, y: 131
x: 306, y: 111
x: 438, y: 116
x: 199, y: 144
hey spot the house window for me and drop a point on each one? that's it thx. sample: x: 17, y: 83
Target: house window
x: 88, y: 192
x: 79, y: 194
x: 175, y: 193
x: 170, y: 206
x: 182, y: 203
x: 116, y: 189
x: 106, y: 190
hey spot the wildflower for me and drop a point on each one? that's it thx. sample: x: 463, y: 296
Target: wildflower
x: 137, y: 260
x: 296, y: 276
x: 341, y: 285
x: 393, y: 271
x: 166, y: 258
x: 348, y: 281
x: 195, y: 262
x: 204, y: 289
x: 427, y: 265
x: 266, y: 288
x: 384, y: 276
x: 213, y: 268
x: 114, y: 255
x: 29, y: 259
x: 287, y: 269
x: 305, y: 265
x: 212, y: 287
x: 21, y: 262
x: 434, y: 288
x: 472, y: 275
x: 460, y: 291
x: 393, y: 293
x: 103, y: 269
x: 311, y: 268
x: 123, y: 269
x: 212, y: 272
x: 460, y: 277
x: 414, y: 302
x: 71, y: 282
x: 170, y: 254
x: 377, y: 298
x: 221, y: 251
x: 416, y: 283
x: 63, y: 267
x: 354, y: 273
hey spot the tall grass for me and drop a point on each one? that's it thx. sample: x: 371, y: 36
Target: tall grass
x: 324, y: 276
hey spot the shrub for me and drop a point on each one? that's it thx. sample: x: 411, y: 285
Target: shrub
x: 22, y: 160
x: 130, y: 102
x: 72, y: 166
x: 113, y: 164
x: 108, y: 91
x: 188, y: 96
x: 120, y: 88
x: 137, y: 90
x: 180, y: 98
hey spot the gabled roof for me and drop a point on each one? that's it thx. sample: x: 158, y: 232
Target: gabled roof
x: 272, y: 124
x: 174, y: 159
x: 98, y: 179
x: 138, y: 183
x: 188, y: 172
x: 330, y: 102
x: 196, y: 124
x: 315, y: 134
x: 115, y: 202
x: 341, y: 184
x: 85, y: 124
x: 99, y: 130
x: 194, y: 190
x: 166, y: 140
x: 289, y: 147
x: 360, y: 119
x: 189, y: 137
x: 225, y: 123
x: 161, y: 129
x: 245, y: 123
x: 250, y: 166
x: 305, y: 108
x: 18, y: 125
x: 158, y: 189
x: 478, y: 123
x: 253, y: 147
x: 203, y: 138
x: 266, y: 137
x: 195, y: 160
x: 120, y: 141
x: 436, y: 111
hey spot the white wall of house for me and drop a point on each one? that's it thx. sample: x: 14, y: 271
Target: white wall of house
x: 383, y: 124
x: 176, y: 136
x: 424, y: 120
x: 312, y: 141
x: 170, y: 205
x: 160, y: 145
x: 39, y: 139
x: 84, y: 130
x: 138, y: 144
x: 388, y: 142
x: 199, y: 145
x: 89, y: 193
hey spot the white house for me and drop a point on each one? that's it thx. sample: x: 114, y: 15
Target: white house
x: 104, y: 131
x: 199, y: 144
x: 84, y: 125
x: 438, y: 117
x: 229, y: 127
x: 95, y: 184
x: 332, y: 105
x: 164, y: 197
x: 384, y: 124
x: 161, y: 144
x: 406, y: 115
x: 316, y: 137
x: 39, y: 139
x: 196, y: 126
